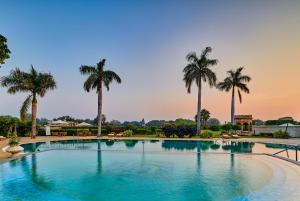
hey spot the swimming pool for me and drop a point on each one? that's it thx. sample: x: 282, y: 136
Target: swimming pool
x: 137, y: 170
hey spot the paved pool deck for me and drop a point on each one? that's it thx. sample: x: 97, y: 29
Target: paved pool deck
x: 25, y: 140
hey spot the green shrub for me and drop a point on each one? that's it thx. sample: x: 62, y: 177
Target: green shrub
x: 280, y: 134
x: 13, y: 138
x: 128, y: 133
x: 131, y: 127
x: 226, y: 127
x: 142, y: 131
x: 206, y: 134
x: 217, y: 135
x: 270, y: 135
x: 214, y: 128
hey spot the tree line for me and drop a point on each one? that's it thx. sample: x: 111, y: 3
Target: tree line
x: 198, y: 71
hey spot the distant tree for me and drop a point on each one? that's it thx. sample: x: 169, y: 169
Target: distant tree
x: 97, y: 77
x: 143, y: 122
x: 197, y: 70
x: 213, y: 122
x: 235, y: 80
x: 258, y: 122
x: 136, y: 123
x: 116, y: 123
x: 182, y: 121
x: 103, y: 120
x: 156, y: 123
x: 65, y: 118
x: 4, y: 51
x: 286, y: 119
x: 34, y: 82
x: 283, y: 120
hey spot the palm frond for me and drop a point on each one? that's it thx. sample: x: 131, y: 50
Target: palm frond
x: 25, y: 107
x: 87, y: 70
x: 192, y: 57
x: 240, y: 96
x: 109, y: 76
x: 206, y: 51
x: 245, y: 78
x: 45, y: 82
x: 16, y: 81
x: 243, y: 87
x: 90, y: 82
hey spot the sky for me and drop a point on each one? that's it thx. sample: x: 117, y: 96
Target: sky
x: 146, y: 42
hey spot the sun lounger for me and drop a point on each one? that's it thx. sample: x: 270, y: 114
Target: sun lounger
x: 236, y: 136
x: 55, y: 133
x: 111, y: 135
x: 119, y: 135
x: 2, y: 138
x: 226, y: 136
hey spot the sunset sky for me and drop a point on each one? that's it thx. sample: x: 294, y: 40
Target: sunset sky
x: 146, y: 42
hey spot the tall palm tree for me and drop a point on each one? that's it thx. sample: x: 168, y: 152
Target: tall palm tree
x: 97, y: 77
x: 34, y: 82
x: 235, y: 80
x: 198, y: 70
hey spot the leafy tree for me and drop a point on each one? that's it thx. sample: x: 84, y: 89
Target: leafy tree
x: 103, y: 119
x: 156, y: 123
x: 181, y: 121
x: 116, y: 123
x: 213, y: 122
x: 4, y: 51
x: 97, y: 77
x: 197, y: 70
x: 282, y: 120
x: 258, y: 122
x: 235, y: 80
x: 34, y: 82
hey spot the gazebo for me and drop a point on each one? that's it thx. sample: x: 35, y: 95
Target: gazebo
x: 245, y: 121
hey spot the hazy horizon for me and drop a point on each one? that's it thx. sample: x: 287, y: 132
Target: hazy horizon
x: 146, y: 42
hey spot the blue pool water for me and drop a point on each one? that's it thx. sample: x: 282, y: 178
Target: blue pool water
x: 133, y: 170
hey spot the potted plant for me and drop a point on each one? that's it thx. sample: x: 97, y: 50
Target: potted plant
x: 13, y: 143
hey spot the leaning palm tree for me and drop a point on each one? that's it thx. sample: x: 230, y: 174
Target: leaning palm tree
x: 34, y: 82
x: 235, y: 80
x: 97, y: 78
x: 197, y: 70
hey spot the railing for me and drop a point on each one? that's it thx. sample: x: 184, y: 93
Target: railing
x: 286, y: 149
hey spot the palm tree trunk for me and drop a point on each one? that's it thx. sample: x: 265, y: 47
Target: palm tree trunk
x: 232, y: 107
x: 33, y: 113
x: 99, y: 109
x: 199, y: 110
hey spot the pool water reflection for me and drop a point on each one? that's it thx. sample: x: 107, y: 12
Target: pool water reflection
x: 133, y: 170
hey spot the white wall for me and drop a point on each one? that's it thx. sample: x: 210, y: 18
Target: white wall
x: 294, y: 131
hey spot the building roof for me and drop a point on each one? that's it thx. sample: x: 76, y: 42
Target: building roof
x: 84, y: 124
x: 59, y: 122
x: 288, y: 124
x: 248, y: 116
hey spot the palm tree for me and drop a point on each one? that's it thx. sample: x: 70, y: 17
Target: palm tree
x: 34, y: 82
x: 204, y: 116
x: 98, y: 77
x: 198, y: 70
x: 235, y: 80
